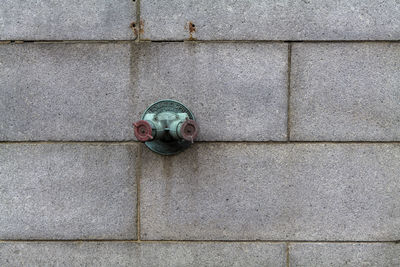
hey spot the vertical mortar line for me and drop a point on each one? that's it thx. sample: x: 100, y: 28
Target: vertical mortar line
x: 138, y: 178
x: 287, y: 254
x: 289, y: 62
x: 132, y: 75
x: 138, y: 21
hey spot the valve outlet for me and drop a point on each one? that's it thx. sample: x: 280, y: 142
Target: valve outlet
x: 189, y: 130
x: 143, y: 131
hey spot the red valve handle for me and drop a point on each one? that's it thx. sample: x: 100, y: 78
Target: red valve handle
x: 189, y: 130
x: 143, y: 131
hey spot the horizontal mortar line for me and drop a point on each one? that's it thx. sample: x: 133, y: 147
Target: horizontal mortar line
x: 194, y: 41
x: 67, y: 240
x: 268, y: 41
x: 198, y: 241
x: 64, y: 41
x: 70, y: 142
x: 268, y: 241
x: 303, y: 142
x: 199, y: 142
x: 344, y: 41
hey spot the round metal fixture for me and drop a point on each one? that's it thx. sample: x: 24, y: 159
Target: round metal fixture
x: 167, y: 127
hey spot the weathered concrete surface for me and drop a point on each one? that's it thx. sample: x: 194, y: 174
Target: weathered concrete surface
x: 67, y: 20
x: 272, y: 192
x: 237, y: 91
x: 345, y: 255
x: 67, y: 191
x: 271, y: 20
x: 144, y: 254
x: 345, y: 92
x: 66, y: 92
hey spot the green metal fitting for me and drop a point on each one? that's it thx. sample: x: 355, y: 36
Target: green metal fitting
x: 167, y: 127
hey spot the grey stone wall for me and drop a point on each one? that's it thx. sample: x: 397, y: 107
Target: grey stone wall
x: 298, y: 159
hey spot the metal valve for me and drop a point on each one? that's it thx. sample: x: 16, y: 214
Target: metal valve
x: 167, y: 127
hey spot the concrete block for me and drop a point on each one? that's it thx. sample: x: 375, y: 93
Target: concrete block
x: 143, y: 254
x: 66, y: 92
x: 270, y: 20
x: 345, y: 92
x: 345, y: 255
x: 231, y: 191
x: 238, y: 91
x: 67, y: 20
x: 67, y: 191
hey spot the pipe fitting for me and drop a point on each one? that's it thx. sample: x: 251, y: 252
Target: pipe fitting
x: 167, y: 127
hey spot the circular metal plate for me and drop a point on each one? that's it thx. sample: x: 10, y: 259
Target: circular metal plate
x: 168, y: 147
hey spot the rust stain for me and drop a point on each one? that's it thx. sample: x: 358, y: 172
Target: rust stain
x: 141, y: 26
x: 137, y: 29
x: 133, y: 26
x: 192, y: 29
x: 167, y: 162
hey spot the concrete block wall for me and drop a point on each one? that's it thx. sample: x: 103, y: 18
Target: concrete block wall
x: 298, y: 159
